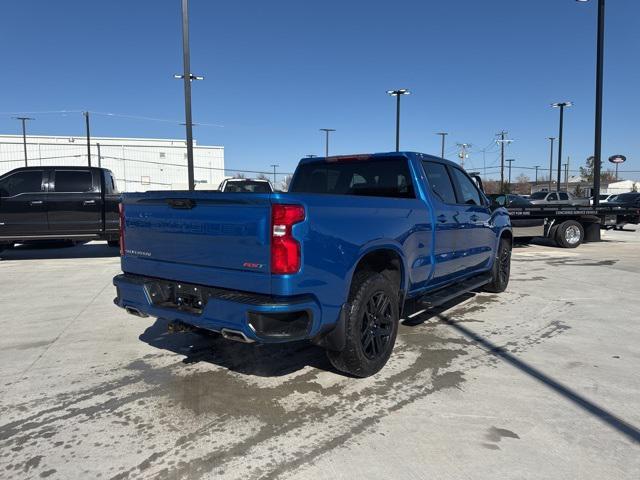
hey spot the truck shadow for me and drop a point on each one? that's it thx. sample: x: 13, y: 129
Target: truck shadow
x: 59, y: 250
x: 249, y: 359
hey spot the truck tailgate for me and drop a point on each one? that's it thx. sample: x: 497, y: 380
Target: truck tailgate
x: 207, y: 238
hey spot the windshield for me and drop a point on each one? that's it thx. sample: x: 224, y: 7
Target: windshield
x: 247, y: 187
x: 538, y: 195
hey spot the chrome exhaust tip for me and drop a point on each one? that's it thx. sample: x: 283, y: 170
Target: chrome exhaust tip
x: 236, y: 335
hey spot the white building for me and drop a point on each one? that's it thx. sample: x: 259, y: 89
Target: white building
x: 139, y: 164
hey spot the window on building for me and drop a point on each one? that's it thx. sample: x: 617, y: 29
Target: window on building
x: 163, y: 155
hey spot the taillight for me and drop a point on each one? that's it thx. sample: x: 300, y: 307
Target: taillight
x: 121, y: 229
x: 285, y: 250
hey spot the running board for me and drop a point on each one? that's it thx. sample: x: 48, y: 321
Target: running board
x: 444, y: 295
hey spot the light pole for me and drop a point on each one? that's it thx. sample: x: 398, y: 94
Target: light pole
x: 326, y: 139
x: 537, y: 167
x: 187, y: 78
x: 502, y: 141
x: 597, y: 142
x: 24, y: 136
x: 398, y: 93
x: 510, y: 160
x: 551, y: 163
x: 274, y: 174
x: 561, y: 106
x: 442, y: 134
x: 86, y: 119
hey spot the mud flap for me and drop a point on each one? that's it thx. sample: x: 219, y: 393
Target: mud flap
x: 334, y: 338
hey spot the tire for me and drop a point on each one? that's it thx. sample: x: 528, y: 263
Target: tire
x: 570, y: 234
x: 371, y: 326
x: 113, y: 243
x: 501, y: 269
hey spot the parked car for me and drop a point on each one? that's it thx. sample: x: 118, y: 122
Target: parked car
x: 507, y: 200
x: 557, y: 198
x: 357, y: 242
x: 58, y: 203
x: 603, y: 198
x: 631, y: 199
x: 243, y: 185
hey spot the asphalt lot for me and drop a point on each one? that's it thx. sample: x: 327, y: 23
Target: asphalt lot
x: 539, y: 382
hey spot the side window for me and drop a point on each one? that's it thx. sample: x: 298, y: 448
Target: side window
x: 468, y: 191
x: 110, y: 181
x: 439, y: 181
x: 73, y: 181
x: 21, y: 182
x: 552, y: 197
x: 564, y: 196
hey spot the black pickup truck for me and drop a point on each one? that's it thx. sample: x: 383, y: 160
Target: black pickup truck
x: 58, y: 203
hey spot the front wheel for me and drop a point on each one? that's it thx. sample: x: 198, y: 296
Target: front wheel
x: 501, y: 268
x: 371, y: 326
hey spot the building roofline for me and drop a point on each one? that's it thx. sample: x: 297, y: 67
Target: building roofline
x: 94, y: 138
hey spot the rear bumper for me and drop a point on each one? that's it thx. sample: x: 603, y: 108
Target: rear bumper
x: 260, y: 318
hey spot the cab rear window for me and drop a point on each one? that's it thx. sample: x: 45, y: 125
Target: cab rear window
x: 387, y: 177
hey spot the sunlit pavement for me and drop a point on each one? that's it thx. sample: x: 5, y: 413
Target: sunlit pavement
x: 539, y: 382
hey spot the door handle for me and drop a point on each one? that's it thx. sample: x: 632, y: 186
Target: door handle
x: 35, y: 202
x: 442, y: 218
x: 89, y: 202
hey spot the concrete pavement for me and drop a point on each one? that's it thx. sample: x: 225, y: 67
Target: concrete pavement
x: 539, y: 382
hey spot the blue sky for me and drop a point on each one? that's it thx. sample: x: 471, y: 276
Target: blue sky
x: 278, y: 71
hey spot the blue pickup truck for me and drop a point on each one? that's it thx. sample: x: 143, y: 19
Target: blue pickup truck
x: 357, y: 243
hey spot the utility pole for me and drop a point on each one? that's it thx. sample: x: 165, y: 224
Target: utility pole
x: 537, y: 167
x: 442, y: 134
x: 398, y: 93
x: 484, y: 163
x: 274, y: 174
x: 99, y: 155
x: 551, y: 164
x: 24, y: 136
x: 566, y: 177
x: 326, y: 140
x: 561, y: 106
x: 187, y: 78
x: 597, y: 147
x: 463, y: 152
x: 502, y: 142
x: 510, y: 160
x: 86, y: 120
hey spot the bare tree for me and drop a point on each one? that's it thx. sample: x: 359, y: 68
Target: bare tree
x: 286, y: 182
x: 262, y: 176
x: 522, y: 185
x: 239, y: 175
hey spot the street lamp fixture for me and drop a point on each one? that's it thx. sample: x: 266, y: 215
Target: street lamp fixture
x: 398, y: 93
x: 326, y: 139
x: 561, y: 106
x: 442, y: 134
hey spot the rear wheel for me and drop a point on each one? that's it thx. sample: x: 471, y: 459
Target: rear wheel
x: 570, y: 234
x: 371, y: 326
x: 501, y: 268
